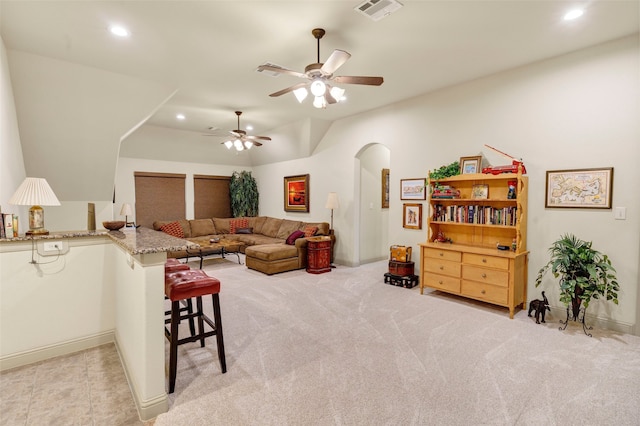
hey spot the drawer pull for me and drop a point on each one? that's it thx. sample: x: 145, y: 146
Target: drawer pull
x: 441, y: 254
x: 441, y: 267
x: 440, y: 282
x: 482, y: 291
x: 484, y: 260
x: 484, y: 275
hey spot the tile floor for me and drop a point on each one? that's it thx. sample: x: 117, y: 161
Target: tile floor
x: 84, y: 388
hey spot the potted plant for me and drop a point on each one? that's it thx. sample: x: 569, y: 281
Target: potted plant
x: 584, y: 273
x: 244, y: 194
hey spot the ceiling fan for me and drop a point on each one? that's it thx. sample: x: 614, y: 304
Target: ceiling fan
x: 241, y: 140
x: 320, y: 77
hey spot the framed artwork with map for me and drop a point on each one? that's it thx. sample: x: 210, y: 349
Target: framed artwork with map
x: 580, y: 188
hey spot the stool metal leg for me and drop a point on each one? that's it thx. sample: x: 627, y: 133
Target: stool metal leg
x: 200, y: 312
x: 217, y: 317
x: 173, y: 344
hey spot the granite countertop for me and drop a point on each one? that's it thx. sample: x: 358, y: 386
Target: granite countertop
x: 134, y: 240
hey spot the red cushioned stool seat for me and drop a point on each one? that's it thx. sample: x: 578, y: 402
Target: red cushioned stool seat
x: 173, y: 265
x: 183, y: 285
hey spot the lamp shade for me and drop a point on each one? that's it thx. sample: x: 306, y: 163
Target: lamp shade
x: 126, y: 210
x: 332, y: 201
x: 34, y: 191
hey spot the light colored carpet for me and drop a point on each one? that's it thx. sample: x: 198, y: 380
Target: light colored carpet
x: 343, y: 348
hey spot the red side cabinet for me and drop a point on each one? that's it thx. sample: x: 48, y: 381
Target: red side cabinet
x: 318, y: 255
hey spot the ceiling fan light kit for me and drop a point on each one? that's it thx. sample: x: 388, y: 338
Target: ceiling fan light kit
x: 319, y: 76
x: 241, y: 141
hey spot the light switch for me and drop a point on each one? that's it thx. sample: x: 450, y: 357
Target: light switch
x: 620, y: 213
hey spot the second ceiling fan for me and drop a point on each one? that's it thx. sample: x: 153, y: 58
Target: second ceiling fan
x: 241, y: 140
x: 320, y: 77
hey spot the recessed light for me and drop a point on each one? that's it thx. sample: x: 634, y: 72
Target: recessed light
x: 573, y: 14
x: 249, y: 127
x: 119, y: 30
x: 180, y: 117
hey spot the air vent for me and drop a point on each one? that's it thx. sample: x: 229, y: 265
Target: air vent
x: 271, y: 73
x: 378, y: 9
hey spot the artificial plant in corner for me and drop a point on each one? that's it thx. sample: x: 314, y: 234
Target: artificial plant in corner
x: 584, y: 273
x: 244, y: 194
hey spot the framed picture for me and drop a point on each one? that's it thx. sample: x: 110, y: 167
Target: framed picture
x: 413, y: 189
x: 296, y: 193
x: 385, y: 188
x: 470, y: 164
x: 480, y: 192
x: 579, y: 188
x: 412, y: 216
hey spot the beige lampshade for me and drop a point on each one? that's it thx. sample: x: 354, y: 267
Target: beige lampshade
x: 34, y: 192
x: 332, y: 201
x: 126, y: 210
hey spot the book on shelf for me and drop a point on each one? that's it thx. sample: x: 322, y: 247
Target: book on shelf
x: 475, y: 214
x: 7, y: 220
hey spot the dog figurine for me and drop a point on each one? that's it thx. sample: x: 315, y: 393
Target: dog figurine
x: 540, y: 306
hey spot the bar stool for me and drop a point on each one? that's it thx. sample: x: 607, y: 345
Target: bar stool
x: 174, y: 265
x: 183, y: 285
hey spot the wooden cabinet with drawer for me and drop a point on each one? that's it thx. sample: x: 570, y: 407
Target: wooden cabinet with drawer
x: 469, y: 217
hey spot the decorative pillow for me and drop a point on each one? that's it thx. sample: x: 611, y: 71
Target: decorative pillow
x: 291, y: 239
x: 244, y: 230
x: 174, y: 229
x: 310, y: 231
x: 234, y: 224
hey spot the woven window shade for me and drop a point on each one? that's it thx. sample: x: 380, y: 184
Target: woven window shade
x: 212, y: 198
x: 159, y: 196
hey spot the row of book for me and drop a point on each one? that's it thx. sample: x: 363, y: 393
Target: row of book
x: 482, y: 215
x: 9, y: 228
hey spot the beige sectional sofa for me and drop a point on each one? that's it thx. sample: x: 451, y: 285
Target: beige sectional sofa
x: 265, y: 247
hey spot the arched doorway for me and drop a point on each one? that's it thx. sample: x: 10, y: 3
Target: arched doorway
x: 373, y: 240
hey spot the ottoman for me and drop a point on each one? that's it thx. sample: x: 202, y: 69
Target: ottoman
x: 273, y: 258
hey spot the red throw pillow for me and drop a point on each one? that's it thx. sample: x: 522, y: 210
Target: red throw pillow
x: 310, y: 231
x: 238, y: 223
x: 174, y: 229
x: 291, y: 239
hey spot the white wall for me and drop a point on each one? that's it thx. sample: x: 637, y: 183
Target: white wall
x: 12, y: 171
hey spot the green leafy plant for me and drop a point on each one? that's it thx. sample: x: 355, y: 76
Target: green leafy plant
x: 244, y: 194
x: 452, y: 169
x: 584, y: 273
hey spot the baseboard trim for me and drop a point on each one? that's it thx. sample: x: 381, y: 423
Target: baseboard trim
x: 596, y: 322
x: 148, y: 409
x: 52, y: 351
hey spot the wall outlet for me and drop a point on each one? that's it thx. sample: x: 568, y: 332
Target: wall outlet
x: 53, y: 246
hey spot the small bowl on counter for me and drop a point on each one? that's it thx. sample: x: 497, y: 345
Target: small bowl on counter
x: 113, y: 225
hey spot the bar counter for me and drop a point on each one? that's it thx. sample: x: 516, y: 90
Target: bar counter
x: 97, y: 287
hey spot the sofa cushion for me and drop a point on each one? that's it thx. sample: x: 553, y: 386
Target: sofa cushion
x: 200, y: 227
x: 269, y: 252
x: 287, y: 227
x: 257, y: 223
x: 186, y: 227
x: 221, y: 224
x: 310, y: 231
x: 238, y: 223
x: 173, y: 228
x: 323, y: 227
x: 244, y: 231
x: 291, y: 239
x: 271, y: 227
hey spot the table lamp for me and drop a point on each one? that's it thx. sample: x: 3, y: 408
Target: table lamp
x: 35, y: 192
x: 126, y: 211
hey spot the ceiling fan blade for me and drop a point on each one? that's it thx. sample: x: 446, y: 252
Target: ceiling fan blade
x: 280, y: 70
x: 350, y: 79
x: 256, y: 143
x: 288, y: 89
x: 335, y: 61
x: 236, y: 134
x: 329, y: 97
x: 254, y: 138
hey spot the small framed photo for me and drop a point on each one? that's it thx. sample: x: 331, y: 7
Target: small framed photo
x: 413, y: 189
x: 296, y: 193
x: 412, y: 216
x: 470, y: 164
x: 480, y: 192
x: 580, y: 188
